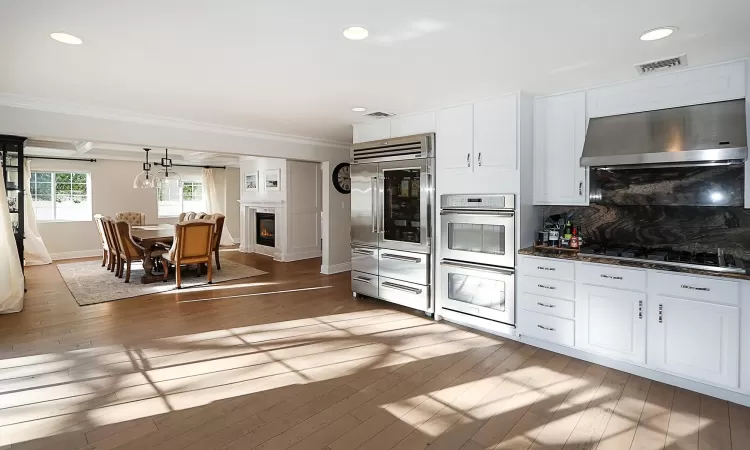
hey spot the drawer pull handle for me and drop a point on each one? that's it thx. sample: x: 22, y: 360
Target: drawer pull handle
x: 610, y: 277
x: 363, y: 252
x: 546, y: 305
x: 695, y: 288
x: 410, y: 259
x: 546, y: 328
x: 551, y: 269
x: 411, y: 290
x: 551, y: 288
x: 640, y: 309
x: 661, y: 311
x: 363, y: 279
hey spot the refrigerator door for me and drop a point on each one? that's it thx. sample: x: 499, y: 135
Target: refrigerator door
x: 405, y: 205
x: 364, y: 204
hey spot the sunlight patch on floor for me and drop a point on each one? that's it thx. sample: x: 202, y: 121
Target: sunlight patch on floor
x: 253, y: 294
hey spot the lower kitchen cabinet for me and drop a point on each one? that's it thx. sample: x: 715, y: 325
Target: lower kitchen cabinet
x: 611, y: 322
x: 694, y: 339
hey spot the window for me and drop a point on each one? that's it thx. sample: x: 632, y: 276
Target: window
x: 63, y: 196
x: 172, y: 202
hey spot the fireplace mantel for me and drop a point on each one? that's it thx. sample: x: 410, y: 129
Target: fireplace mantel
x: 248, y: 241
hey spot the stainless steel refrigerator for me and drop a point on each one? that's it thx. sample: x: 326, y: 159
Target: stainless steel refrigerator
x: 392, y: 223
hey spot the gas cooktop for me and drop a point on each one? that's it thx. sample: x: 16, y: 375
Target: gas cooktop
x: 717, y: 262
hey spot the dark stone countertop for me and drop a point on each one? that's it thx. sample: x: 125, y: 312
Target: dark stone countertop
x: 531, y: 251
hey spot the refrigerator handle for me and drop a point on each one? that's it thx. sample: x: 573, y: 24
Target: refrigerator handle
x: 374, y: 202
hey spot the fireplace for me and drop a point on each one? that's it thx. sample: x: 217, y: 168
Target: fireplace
x: 265, y: 229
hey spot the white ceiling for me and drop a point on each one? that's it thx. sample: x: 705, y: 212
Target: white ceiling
x: 282, y: 65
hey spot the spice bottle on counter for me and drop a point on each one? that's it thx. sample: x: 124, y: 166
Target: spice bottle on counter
x: 554, y: 238
x: 574, y: 242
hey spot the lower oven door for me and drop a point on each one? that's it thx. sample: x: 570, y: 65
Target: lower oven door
x: 484, y: 291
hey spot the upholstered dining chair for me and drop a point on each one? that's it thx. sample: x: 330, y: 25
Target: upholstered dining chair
x: 192, y: 244
x: 105, y: 245
x: 133, y: 218
x: 111, y: 236
x: 130, y: 251
x: 219, y: 227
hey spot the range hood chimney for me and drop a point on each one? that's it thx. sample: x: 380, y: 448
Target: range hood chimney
x: 708, y: 134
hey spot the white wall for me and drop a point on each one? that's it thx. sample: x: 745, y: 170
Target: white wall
x: 336, y: 223
x: 111, y: 192
x: 303, y: 210
x: 260, y: 165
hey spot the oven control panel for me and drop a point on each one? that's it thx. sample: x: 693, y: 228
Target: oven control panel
x: 484, y: 201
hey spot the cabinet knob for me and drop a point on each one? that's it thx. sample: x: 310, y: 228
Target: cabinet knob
x: 580, y: 188
x: 661, y: 311
x: 479, y: 159
x: 468, y: 160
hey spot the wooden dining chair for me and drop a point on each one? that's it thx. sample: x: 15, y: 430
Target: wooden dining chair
x: 114, y: 253
x: 192, y: 244
x: 133, y: 218
x: 218, y: 220
x: 130, y: 251
x: 102, y: 238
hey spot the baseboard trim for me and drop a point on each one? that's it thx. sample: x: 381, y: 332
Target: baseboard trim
x: 335, y: 268
x: 289, y: 257
x: 76, y: 254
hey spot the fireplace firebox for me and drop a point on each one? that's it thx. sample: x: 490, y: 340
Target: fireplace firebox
x: 265, y: 229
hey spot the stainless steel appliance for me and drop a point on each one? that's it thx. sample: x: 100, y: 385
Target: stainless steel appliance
x: 477, y: 266
x: 708, y: 134
x: 392, y: 218
x: 710, y: 261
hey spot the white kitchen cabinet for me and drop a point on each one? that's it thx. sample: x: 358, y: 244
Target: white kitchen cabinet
x: 372, y: 131
x: 694, y: 339
x: 412, y: 124
x: 455, y: 140
x: 611, y: 322
x: 496, y: 134
x: 559, y: 133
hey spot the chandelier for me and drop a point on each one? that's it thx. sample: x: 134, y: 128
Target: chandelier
x: 166, y: 179
x: 144, y: 179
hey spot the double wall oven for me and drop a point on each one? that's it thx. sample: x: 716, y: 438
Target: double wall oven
x: 392, y: 216
x: 477, y: 266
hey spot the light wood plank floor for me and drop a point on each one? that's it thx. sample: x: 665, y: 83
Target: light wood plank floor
x: 290, y: 360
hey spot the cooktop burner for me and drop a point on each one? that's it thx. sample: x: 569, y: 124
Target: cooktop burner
x: 717, y: 262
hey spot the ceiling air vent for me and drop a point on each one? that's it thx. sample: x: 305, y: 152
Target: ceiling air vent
x: 379, y: 114
x: 661, y: 65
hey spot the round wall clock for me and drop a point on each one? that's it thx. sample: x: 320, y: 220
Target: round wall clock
x: 341, y: 180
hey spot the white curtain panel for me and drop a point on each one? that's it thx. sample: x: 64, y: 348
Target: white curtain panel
x: 34, y: 251
x: 11, y: 276
x: 212, y: 203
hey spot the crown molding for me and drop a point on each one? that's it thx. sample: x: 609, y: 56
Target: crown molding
x: 37, y: 104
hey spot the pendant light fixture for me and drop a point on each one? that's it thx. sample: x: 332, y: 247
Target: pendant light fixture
x: 166, y: 179
x: 144, y: 180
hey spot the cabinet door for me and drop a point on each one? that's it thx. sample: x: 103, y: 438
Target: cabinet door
x: 495, y: 134
x: 559, y: 132
x: 694, y: 339
x: 455, y: 140
x: 412, y: 124
x: 372, y: 131
x: 611, y: 322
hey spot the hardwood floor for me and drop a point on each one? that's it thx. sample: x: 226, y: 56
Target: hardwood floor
x: 290, y: 360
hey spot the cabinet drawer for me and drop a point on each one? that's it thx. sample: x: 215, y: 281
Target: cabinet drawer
x: 364, y: 283
x: 548, y: 328
x: 412, y: 295
x: 406, y: 266
x: 548, y: 288
x: 694, y: 287
x: 365, y: 259
x: 548, y: 268
x: 548, y: 305
x: 611, y: 276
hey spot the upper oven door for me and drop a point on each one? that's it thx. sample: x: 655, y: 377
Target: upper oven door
x: 405, y: 205
x: 484, y: 237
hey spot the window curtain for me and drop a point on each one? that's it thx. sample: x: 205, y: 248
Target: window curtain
x: 34, y: 251
x: 212, y: 203
x: 11, y: 276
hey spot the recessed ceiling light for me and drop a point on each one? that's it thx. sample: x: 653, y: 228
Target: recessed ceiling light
x: 657, y: 33
x: 66, y: 38
x: 359, y: 109
x: 356, y: 33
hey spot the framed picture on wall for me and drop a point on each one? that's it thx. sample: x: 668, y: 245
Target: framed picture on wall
x: 272, y: 179
x: 251, y: 181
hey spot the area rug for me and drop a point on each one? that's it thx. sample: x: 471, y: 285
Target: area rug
x: 90, y: 283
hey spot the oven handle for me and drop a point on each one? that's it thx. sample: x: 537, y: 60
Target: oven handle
x: 467, y: 265
x: 474, y: 212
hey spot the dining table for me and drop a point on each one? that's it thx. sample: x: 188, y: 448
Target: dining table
x: 151, y: 237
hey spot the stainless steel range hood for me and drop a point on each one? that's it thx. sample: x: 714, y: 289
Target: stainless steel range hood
x: 712, y: 133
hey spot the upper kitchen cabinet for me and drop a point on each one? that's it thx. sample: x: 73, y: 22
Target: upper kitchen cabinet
x: 412, y: 124
x: 480, y: 137
x: 372, y: 131
x: 559, y: 133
